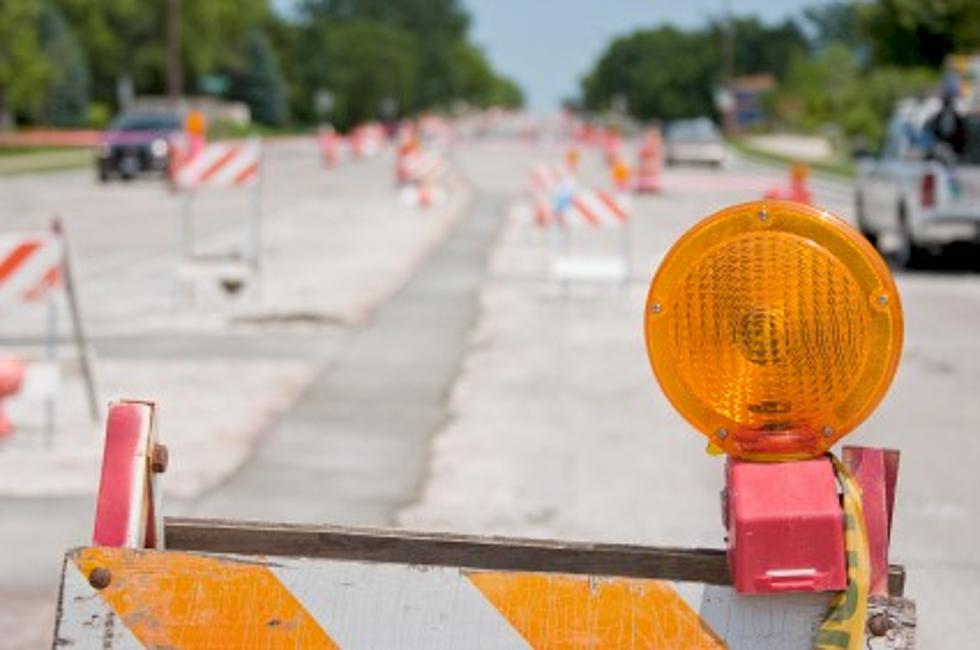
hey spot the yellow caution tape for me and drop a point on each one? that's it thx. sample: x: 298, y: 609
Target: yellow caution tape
x: 843, y: 625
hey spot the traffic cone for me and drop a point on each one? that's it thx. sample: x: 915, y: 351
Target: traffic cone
x: 426, y: 197
x: 650, y: 163
x: 799, y: 186
x: 11, y: 378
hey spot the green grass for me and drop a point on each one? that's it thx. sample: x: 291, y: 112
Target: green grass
x: 27, y: 150
x: 844, y: 169
x: 45, y: 159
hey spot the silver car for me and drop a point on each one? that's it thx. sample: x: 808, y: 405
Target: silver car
x: 694, y: 141
x: 911, y: 201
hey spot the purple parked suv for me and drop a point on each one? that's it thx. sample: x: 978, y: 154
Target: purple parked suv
x: 137, y: 142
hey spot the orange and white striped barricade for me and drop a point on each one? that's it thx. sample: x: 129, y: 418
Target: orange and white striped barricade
x: 798, y: 189
x: 425, y: 172
x: 222, y: 583
x: 367, y: 140
x: 546, y: 181
x: 33, y: 267
x: 590, y: 211
x: 649, y: 167
x: 332, y: 146
x: 221, y: 165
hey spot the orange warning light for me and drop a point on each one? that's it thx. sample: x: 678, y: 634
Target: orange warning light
x: 572, y: 157
x: 194, y: 123
x: 774, y: 328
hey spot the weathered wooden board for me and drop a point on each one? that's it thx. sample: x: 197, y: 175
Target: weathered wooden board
x: 708, y: 566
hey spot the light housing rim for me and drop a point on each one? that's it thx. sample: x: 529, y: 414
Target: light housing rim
x: 820, y: 228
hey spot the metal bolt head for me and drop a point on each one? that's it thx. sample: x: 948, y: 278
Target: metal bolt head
x: 878, y: 625
x: 827, y: 431
x: 722, y: 434
x: 99, y: 578
x: 763, y: 214
x: 656, y: 308
x: 883, y: 299
x: 159, y: 459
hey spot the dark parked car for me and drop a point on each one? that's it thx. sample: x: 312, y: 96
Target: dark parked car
x: 137, y: 142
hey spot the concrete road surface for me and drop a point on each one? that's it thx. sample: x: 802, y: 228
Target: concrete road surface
x: 480, y: 397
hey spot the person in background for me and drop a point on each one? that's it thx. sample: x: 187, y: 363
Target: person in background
x: 946, y: 130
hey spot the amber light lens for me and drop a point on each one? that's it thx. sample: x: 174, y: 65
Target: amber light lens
x: 774, y: 328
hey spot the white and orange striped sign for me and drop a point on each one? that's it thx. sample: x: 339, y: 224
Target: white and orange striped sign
x: 546, y: 184
x: 422, y: 166
x: 30, y: 266
x: 186, y: 600
x: 221, y: 164
x: 367, y: 140
x: 597, y: 208
x: 125, y: 598
x: 332, y: 146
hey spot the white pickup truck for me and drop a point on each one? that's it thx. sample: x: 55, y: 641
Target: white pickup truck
x: 908, y: 203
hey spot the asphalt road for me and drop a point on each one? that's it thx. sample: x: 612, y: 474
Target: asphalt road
x: 479, y: 398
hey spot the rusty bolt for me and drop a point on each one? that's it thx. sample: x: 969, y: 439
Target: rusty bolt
x: 878, y: 625
x: 159, y: 459
x: 100, y: 578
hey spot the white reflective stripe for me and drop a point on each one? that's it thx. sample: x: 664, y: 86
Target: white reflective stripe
x: 32, y: 269
x: 89, y: 622
x: 763, y: 621
x: 370, y: 605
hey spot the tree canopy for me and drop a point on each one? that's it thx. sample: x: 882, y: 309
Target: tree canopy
x: 669, y: 73
x: 57, y: 55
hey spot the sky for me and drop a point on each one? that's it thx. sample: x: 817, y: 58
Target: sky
x: 548, y: 45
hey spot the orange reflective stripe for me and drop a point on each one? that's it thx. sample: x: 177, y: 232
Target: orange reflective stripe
x: 180, y: 600
x: 12, y: 262
x: 552, y: 611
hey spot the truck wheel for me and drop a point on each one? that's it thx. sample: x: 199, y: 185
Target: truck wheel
x: 862, y: 222
x: 908, y: 254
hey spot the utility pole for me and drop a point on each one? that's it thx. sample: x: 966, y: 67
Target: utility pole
x: 175, y: 73
x: 728, y: 67
x: 728, y: 46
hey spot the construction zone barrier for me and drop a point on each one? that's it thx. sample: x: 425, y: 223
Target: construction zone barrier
x: 198, y: 583
x: 547, y: 183
x: 563, y: 208
x: 221, y: 165
x: 332, y: 146
x: 798, y: 189
x: 33, y: 267
x: 424, y: 173
x: 367, y: 140
x: 650, y: 163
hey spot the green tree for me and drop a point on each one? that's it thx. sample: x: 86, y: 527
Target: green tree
x: 364, y: 63
x: 23, y: 71
x: 474, y: 80
x: 668, y: 73
x: 661, y: 73
x: 831, y: 88
x: 919, y: 33
x: 836, y: 22
x: 126, y: 38
x: 438, y: 26
x: 258, y: 82
x: 67, y: 97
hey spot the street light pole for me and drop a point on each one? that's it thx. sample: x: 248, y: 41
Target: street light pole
x: 175, y: 76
